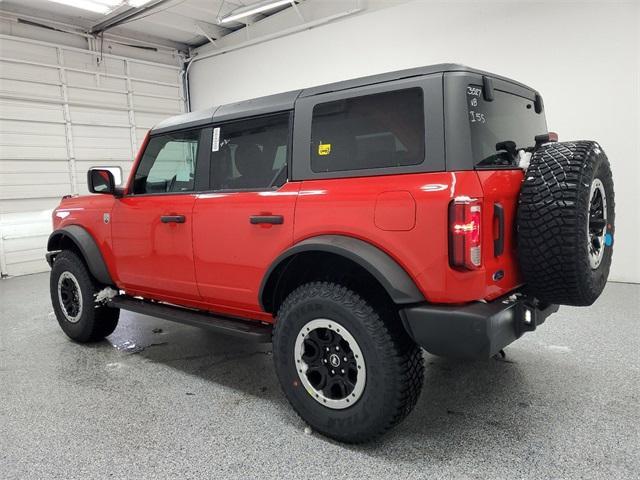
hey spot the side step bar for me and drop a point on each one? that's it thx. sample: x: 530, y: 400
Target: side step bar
x: 251, y: 330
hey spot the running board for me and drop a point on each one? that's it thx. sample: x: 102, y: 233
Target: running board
x: 248, y: 329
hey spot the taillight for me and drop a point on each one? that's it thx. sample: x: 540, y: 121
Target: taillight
x: 465, y: 240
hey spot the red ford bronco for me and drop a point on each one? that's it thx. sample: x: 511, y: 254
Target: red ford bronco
x: 351, y: 224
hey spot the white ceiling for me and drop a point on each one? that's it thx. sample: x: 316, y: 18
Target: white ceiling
x: 176, y: 23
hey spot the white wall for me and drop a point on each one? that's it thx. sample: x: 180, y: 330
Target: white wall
x: 583, y: 57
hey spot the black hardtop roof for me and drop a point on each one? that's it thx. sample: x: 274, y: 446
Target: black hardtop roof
x: 285, y: 101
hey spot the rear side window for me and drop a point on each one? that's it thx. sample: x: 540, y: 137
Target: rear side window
x: 168, y: 163
x: 383, y: 130
x: 250, y: 154
x: 508, y: 118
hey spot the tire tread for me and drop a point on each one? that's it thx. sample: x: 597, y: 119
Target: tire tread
x: 552, y: 216
x: 388, y: 335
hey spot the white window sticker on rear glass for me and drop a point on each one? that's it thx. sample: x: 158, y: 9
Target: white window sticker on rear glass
x: 215, y: 144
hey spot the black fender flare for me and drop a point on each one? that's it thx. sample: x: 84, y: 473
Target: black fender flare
x: 393, y: 278
x: 87, y: 246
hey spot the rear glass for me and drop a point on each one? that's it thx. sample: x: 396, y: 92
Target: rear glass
x: 508, y: 118
x: 373, y: 131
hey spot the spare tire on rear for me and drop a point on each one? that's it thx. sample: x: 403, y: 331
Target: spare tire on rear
x: 566, y: 223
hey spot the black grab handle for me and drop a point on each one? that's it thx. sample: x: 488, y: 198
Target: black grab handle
x: 270, y: 219
x: 498, y: 243
x: 172, y: 218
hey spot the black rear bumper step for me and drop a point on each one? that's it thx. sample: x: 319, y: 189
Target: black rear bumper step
x: 251, y: 330
x: 474, y: 330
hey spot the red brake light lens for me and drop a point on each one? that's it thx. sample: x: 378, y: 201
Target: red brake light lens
x: 465, y: 240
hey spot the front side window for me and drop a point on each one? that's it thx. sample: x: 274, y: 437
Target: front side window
x: 250, y: 154
x: 374, y: 131
x: 168, y: 164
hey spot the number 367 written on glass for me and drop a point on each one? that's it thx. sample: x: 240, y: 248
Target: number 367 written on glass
x: 477, y: 117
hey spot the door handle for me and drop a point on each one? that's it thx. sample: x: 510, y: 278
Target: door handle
x: 498, y: 243
x: 269, y: 219
x: 172, y: 218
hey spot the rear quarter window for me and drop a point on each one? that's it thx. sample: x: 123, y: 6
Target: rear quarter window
x: 382, y: 130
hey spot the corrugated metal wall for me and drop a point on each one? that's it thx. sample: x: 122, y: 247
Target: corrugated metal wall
x: 63, y: 110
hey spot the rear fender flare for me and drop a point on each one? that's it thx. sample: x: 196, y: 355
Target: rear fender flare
x: 393, y: 278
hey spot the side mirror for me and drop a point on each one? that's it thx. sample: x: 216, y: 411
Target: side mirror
x: 103, y: 179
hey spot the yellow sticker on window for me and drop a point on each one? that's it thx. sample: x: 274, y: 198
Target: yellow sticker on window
x: 324, y: 149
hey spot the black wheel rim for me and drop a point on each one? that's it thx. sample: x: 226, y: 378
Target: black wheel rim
x: 330, y: 363
x: 70, y: 297
x: 597, y: 223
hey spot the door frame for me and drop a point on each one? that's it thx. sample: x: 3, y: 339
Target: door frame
x: 204, y: 169
x: 200, y: 183
x: 201, y: 172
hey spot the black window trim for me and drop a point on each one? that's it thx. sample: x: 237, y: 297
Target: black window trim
x: 221, y: 124
x: 432, y: 90
x: 204, y: 145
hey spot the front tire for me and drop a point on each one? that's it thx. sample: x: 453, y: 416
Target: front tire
x: 73, y: 291
x: 373, y: 383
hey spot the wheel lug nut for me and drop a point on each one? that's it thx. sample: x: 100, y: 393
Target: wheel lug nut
x: 325, y: 360
x: 344, y: 358
x: 337, y: 349
x: 333, y: 372
x: 342, y: 371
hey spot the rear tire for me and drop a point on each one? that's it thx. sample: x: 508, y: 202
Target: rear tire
x: 566, y: 223
x: 73, y: 291
x: 386, y: 373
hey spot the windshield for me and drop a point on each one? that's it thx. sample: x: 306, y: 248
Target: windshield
x: 508, y: 118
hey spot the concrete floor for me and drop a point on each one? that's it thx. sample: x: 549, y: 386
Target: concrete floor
x: 162, y: 400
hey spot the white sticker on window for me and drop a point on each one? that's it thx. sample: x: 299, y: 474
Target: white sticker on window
x: 215, y: 145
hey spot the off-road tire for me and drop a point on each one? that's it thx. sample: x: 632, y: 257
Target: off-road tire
x: 553, y: 223
x: 394, y: 363
x: 94, y: 321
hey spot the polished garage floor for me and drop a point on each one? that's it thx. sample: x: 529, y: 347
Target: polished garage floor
x: 161, y: 400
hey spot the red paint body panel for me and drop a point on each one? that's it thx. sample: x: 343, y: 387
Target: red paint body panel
x: 88, y: 212
x: 216, y: 260
x: 152, y: 257
x: 500, y: 187
x: 231, y: 254
x: 395, y: 211
x: 421, y: 251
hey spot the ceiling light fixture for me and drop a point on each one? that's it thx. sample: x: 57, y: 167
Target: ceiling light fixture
x: 97, y: 6
x: 137, y: 3
x: 102, y: 6
x: 252, y: 9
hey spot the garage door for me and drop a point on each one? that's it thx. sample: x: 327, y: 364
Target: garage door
x: 63, y: 110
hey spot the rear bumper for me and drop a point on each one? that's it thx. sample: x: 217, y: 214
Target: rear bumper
x: 476, y: 330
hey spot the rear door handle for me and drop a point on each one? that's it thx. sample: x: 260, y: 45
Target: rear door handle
x: 498, y: 243
x: 172, y: 218
x: 270, y: 219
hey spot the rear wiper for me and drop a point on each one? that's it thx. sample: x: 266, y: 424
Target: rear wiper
x: 499, y: 158
x: 508, y: 146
